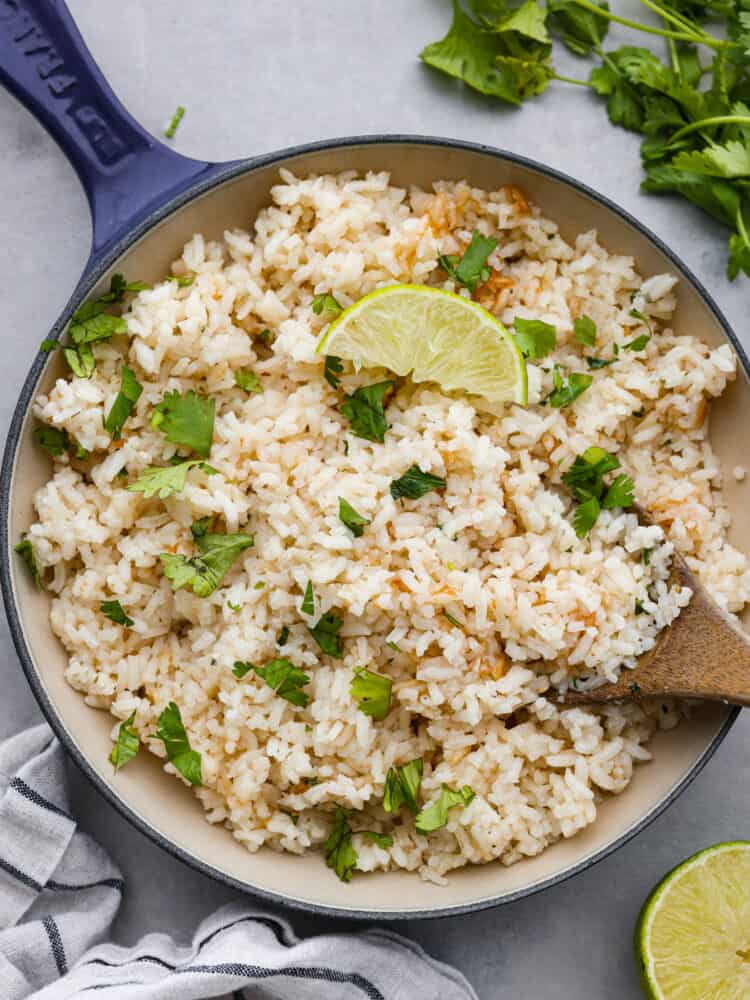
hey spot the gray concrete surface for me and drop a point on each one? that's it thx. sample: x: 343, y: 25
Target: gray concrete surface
x: 255, y: 77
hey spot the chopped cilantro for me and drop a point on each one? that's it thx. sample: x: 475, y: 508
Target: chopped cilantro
x: 308, y: 601
x: 402, y: 786
x: 534, y: 337
x: 171, y: 731
x: 471, y: 268
x: 48, y: 345
x: 234, y: 607
x: 364, y: 409
x: 201, y: 527
x: 595, y: 363
x: 435, y: 816
x: 372, y: 692
x: 454, y: 621
x: 187, y: 420
x: 332, y: 369
x: 394, y: 646
x: 54, y: 440
x: 638, y: 344
x: 646, y: 557
x: 113, y: 610
x: 619, y: 494
x: 638, y: 607
x: 383, y: 840
x: 281, y: 675
x: 127, y: 397
x: 415, y: 484
x: 248, y: 381
x: 585, y: 478
x: 163, y: 481
x: 26, y: 551
x: 325, y: 302
x: 203, y: 573
x: 283, y: 636
x: 585, y: 330
x: 127, y: 744
x: 259, y: 585
x: 174, y: 122
x: 326, y: 634
x: 567, y: 390
x: 585, y: 516
x: 349, y: 516
x: 637, y: 314
x: 339, y: 852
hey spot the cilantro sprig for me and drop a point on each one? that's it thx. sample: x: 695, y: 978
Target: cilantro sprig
x: 91, y: 323
x: 186, y: 420
x: 471, y: 267
x: 364, y: 409
x: 585, y: 479
x: 162, y: 481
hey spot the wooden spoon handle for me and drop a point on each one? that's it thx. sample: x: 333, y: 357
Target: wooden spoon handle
x: 703, y: 654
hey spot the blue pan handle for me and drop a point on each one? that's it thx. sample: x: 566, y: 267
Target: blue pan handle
x: 125, y: 172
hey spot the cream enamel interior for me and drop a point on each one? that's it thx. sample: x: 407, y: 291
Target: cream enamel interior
x: 169, y: 808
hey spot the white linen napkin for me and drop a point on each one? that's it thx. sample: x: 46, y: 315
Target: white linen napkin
x: 60, y: 892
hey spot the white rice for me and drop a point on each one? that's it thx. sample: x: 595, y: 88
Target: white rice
x: 496, y: 549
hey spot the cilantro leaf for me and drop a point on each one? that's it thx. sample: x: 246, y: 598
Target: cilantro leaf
x: 624, y: 105
x: 242, y: 669
x: 325, y: 302
x: 54, y: 440
x: 118, y: 286
x: 127, y: 397
x: 596, y: 363
x: 566, y: 391
x: 81, y: 360
x: 619, y: 494
x: 739, y: 254
x: 48, y: 345
x: 585, y: 516
x: 113, y: 610
x: 402, y: 786
x: 435, y: 816
x: 201, y: 527
x: 415, y: 484
x: 585, y: 477
x: 580, y: 29
x: 163, y: 481
x: 471, y: 268
x: 326, y: 633
x: 26, y: 551
x: 372, y: 692
x: 585, y: 330
x: 171, y: 731
x: 203, y: 573
x: 283, y: 636
x: 332, y: 369
x: 187, y: 420
x: 534, y: 337
x: 383, y: 840
x: 127, y: 744
x: 308, y: 601
x: 364, y: 409
x: 100, y: 326
x: 339, y: 852
x: 248, y: 381
x: 638, y: 343
x: 281, y: 675
x: 713, y: 195
x: 349, y: 516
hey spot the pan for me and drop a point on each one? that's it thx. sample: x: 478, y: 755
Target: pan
x: 146, y: 201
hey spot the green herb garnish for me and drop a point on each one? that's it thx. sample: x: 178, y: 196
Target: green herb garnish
x: 326, y: 634
x: 127, y: 397
x: 325, y: 302
x: 127, y: 744
x: 471, y: 267
x: 364, y: 409
x: 332, y: 370
x: 415, y: 484
x: 234, y: 607
x: 402, y: 786
x: 567, y: 390
x: 585, y: 478
x: 454, y: 621
x: 171, y: 732
x: 26, y: 551
x: 48, y: 345
x: 174, y: 123
x: 535, y: 338
x: 372, y: 692
x: 186, y: 420
x: 248, y: 381
x: 638, y: 344
x: 163, y: 481
x: 585, y: 331
x: 436, y: 816
x: 308, y: 601
x: 203, y: 573
x: 281, y: 675
x: 339, y: 852
x: 595, y: 363
x: 283, y: 636
x: 54, y: 440
x: 349, y: 516
x: 113, y: 610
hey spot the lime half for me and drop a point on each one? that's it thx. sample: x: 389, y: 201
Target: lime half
x: 692, y: 939
x: 434, y: 336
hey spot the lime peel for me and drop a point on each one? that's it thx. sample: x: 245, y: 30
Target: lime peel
x: 433, y: 336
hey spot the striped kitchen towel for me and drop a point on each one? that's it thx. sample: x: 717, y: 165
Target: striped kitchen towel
x: 60, y: 892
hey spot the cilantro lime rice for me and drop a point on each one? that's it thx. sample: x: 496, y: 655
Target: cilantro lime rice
x: 336, y: 606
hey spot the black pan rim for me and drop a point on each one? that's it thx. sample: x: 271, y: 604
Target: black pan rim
x: 93, y: 272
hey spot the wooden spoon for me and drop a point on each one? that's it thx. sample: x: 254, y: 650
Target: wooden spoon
x: 702, y: 654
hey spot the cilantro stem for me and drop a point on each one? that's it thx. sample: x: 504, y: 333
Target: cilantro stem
x: 674, y: 18
x: 673, y: 57
x: 703, y: 122
x: 741, y: 227
x: 570, y: 79
x: 707, y: 40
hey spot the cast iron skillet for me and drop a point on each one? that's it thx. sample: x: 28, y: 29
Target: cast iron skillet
x: 146, y: 200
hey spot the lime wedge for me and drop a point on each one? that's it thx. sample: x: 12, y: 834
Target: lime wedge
x: 434, y: 336
x: 692, y: 939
